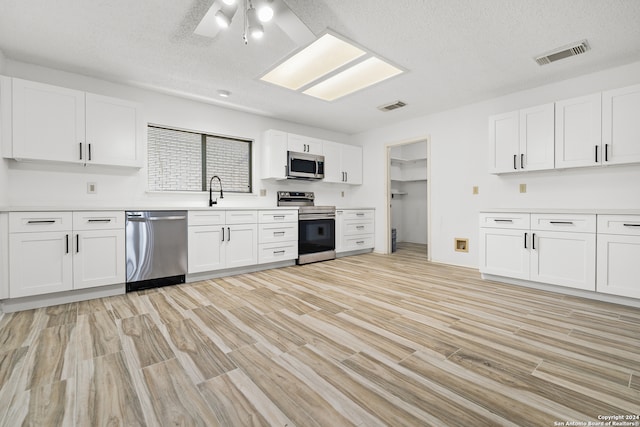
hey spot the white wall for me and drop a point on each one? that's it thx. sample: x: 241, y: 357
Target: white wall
x: 35, y: 184
x: 459, y: 160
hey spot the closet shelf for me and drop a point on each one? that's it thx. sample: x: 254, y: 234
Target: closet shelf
x: 400, y: 161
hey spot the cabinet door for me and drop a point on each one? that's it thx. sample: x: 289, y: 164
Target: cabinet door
x: 241, y: 245
x: 206, y: 248
x: 579, y: 131
x: 563, y: 258
x: 504, y: 252
x: 621, y: 125
x: 274, y: 155
x: 40, y: 263
x: 48, y: 122
x: 504, y: 142
x: 352, y: 164
x: 332, y: 162
x: 112, y: 131
x: 618, y: 266
x: 98, y: 258
x: 537, y: 138
x: 304, y: 144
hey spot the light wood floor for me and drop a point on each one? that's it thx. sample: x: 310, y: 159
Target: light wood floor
x: 366, y: 340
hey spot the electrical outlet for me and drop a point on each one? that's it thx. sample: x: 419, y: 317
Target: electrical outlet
x: 523, y: 188
x: 342, y: 194
x: 263, y: 192
x: 475, y: 189
x: 92, y: 188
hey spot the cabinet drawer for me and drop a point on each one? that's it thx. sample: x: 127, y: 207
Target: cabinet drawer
x: 241, y: 217
x: 353, y: 228
x: 21, y: 222
x: 619, y: 224
x: 358, y: 242
x: 98, y: 220
x: 348, y: 214
x: 581, y: 223
x: 277, y: 216
x: 270, y: 233
x: 277, y: 252
x: 504, y: 220
x: 216, y: 217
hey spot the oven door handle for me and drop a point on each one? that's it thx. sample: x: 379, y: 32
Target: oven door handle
x: 311, y: 217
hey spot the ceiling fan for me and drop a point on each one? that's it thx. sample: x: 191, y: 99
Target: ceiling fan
x: 254, y: 12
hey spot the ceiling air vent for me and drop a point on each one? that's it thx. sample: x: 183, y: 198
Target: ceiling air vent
x: 393, y: 106
x: 563, y: 52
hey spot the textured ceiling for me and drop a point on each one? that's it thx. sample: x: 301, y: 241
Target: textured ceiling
x: 456, y: 51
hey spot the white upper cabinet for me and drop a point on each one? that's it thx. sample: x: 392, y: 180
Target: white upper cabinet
x: 522, y: 140
x: 52, y: 123
x: 343, y: 163
x: 579, y: 131
x: 112, y: 133
x: 537, y: 138
x: 504, y: 142
x: 48, y: 122
x: 621, y: 125
x: 303, y: 144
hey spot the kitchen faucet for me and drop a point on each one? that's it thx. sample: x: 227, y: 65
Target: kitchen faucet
x: 211, y: 201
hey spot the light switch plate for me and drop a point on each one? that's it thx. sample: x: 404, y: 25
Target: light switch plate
x: 475, y: 189
x: 523, y: 188
x: 263, y: 192
x: 92, y: 188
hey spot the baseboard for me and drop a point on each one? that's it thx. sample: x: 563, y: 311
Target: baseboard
x: 37, y: 301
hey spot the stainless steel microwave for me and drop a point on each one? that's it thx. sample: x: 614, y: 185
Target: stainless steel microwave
x: 305, y: 165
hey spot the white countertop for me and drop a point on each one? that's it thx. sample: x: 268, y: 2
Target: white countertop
x: 564, y: 211
x: 341, y: 208
x: 140, y: 208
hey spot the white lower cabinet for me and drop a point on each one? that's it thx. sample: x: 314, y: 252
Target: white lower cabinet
x: 557, y: 249
x: 63, y: 251
x: 618, y: 255
x: 354, y: 229
x: 278, y: 236
x: 222, y: 239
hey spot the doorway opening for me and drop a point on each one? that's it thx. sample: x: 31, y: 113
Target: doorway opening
x: 408, y: 196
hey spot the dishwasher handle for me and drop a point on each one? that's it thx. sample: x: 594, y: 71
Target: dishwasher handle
x: 157, y: 218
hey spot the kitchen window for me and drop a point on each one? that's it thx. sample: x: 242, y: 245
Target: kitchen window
x: 181, y: 160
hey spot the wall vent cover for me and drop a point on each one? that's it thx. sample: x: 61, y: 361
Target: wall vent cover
x: 563, y: 52
x: 392, y: 106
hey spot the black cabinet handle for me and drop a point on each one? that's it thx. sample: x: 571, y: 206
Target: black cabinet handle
x: 89, y: 152
x: 525, y: 240
x: 223, y: 234
x: 503, y: 220
x: 278, y: 252
x: 606, y: 152
x: 80, y: 150
x: 228, y: 234
x: 41, y: 221
x: 631, y: 225
x: 521, y: 161
x: 66, y: 238
x: 77, y: 243
x: 596, y: 150
x: 346, y: 177
x: 99, y: 220
x: 561, y: 222
x: 533, y: 241
x: 515, y: 156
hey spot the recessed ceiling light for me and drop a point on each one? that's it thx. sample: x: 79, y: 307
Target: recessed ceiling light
x: 366, y: 73
x: 224, y: 93
x: 326, y: 54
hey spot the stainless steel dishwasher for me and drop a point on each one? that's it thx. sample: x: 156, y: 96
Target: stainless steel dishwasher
x: 156, y: 248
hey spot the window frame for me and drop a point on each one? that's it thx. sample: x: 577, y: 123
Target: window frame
x: 203, y: 159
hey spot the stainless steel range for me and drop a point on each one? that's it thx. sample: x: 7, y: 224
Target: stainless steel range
x: 316, y: 226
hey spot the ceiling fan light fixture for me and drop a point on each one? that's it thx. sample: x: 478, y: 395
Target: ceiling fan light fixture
x: 222, y: 19
x: 265, y: 12
x: 229, y: 2
x: 254, y: 28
